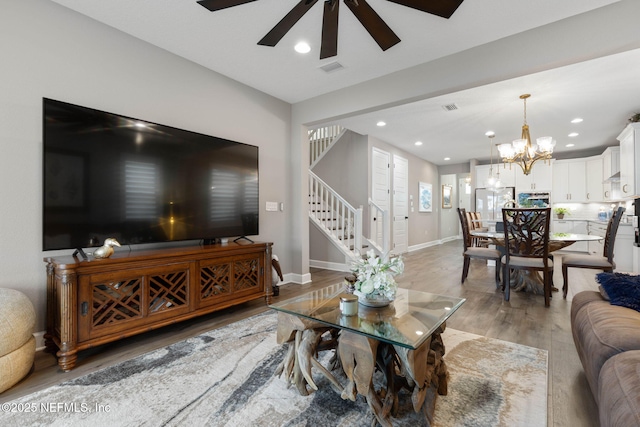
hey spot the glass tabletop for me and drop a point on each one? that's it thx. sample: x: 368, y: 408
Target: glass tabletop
x: 408, y: 321
x: 554, y: 237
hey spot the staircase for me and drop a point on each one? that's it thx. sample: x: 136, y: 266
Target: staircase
x: 334, y: 216
x: 321, y: 140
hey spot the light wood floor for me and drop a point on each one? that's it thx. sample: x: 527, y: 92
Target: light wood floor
x: 523, y: 320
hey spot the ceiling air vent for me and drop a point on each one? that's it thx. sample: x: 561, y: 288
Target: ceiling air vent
x: 331, y: 67
x: 450, y: 107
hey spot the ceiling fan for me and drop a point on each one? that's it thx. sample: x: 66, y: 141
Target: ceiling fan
x: 370, y: 20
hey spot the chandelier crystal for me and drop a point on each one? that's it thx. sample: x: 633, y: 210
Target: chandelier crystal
x: 522, y: 152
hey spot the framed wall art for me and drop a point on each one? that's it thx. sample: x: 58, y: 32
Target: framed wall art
x: 446, y: 196
x: 425, y: 197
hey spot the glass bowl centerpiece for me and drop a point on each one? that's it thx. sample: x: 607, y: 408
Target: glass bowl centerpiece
x: 375, y: 285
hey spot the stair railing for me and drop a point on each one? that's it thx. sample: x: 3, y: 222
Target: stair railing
x: 335, y: 216
x: 380, y: 226
x: 320, y: 140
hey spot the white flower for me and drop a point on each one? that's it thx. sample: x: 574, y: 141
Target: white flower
x: 376, y: 277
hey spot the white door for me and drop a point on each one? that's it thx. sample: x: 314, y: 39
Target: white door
x: 400, y: 205
x: 380, y: 190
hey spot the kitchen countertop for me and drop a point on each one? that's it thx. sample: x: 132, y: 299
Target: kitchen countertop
x: 597, y: 221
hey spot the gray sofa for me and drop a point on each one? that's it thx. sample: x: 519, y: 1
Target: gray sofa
x: 607, y: 338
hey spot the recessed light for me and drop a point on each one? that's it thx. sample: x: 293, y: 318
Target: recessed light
x: 489, y: 133
x: 418, y: 143
x: 447, y: 159
x: 577, y: 120
x: 302, y: 47
x: 573, y: 134
x: 570, y: 145
x: 381, y: 123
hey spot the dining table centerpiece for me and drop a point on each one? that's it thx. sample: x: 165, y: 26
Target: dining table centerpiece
x: 375, y: 285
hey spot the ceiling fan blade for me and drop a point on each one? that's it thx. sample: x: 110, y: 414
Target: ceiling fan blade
x: 443, y: 8
x: 379, y: 30
x: 277, y: 33
x: 329, y: 46
x: 214, y: 5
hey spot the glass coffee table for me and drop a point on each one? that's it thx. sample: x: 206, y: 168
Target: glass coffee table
x: 402, y: 340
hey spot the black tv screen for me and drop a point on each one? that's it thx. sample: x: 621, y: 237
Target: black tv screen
x: 106, y: 175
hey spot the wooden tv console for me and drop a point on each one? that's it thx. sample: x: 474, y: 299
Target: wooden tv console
x: 96, y: 301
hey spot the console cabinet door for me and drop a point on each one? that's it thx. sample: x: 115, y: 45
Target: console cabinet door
x: 230, y: 278
x: 113, y: 302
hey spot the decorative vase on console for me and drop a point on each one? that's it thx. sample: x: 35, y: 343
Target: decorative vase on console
x: 375, y: 285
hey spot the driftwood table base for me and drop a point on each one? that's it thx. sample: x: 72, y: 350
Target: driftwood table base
x: 422, y: 372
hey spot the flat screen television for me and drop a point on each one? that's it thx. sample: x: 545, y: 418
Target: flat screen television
x: 107, y: 175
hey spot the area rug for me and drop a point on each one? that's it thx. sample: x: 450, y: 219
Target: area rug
x: 225, y: 377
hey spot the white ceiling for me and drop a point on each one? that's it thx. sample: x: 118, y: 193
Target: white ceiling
x: 225, y: 41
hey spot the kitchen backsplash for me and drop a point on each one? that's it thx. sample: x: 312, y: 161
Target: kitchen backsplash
x: 590, y: 211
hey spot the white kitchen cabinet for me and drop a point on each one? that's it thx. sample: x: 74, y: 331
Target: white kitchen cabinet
x: 569, y: 181
x: 611, y: 167
x: 622, y: 248
x: 539, y: 180
x: 595, y: 187
x: 629, y: 160
x: 507, y: 177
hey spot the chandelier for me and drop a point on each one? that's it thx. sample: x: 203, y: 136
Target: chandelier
x: 522, y: 152
x: 493, y: 182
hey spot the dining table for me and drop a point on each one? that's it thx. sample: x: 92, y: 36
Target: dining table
x: 531, y: 281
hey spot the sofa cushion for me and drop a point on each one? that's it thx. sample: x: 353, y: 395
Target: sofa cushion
x: 622, y: 289
x: 619, y: 390
x: 17, y: 320
x: 15, y: 365
x: 600, y: 331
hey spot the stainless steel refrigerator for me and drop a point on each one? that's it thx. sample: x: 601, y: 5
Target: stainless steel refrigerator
x: 490, y: 203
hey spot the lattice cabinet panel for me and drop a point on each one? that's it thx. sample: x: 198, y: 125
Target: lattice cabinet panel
x: 215, y: 280
x: 168, y: 291
x: 247, y: 274
x: 116, y: 302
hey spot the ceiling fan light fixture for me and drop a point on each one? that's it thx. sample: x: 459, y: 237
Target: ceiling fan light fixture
x: 370, y: 20
x: 302, y: 47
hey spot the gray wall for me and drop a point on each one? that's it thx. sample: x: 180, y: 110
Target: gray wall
x: 50, y: 51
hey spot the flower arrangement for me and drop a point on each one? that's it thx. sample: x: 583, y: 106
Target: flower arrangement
x: 374, y: 277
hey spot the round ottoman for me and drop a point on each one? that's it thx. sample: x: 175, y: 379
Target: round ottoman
x: 17, y: 343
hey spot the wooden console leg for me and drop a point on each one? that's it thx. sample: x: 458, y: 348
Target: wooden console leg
x: 67, y: 359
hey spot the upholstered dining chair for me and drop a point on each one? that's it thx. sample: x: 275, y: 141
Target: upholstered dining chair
x: 471, y: 251
x: 604, y: 262
x: 526, y: 233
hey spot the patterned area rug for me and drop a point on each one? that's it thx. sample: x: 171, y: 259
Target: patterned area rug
x: 225, y: 378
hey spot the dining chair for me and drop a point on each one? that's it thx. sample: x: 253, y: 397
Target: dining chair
x: 526, y: 235
x: 474, y: 221
x: 471, y: 251
x: 604, y: 262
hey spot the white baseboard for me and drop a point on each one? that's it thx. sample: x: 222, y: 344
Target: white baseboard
x: 299, y: 279
x: 424, y: 245
x: 39, y: 340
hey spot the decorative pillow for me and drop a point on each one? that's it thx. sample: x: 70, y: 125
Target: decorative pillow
x: 603, y: 293
x: 623, y: 289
